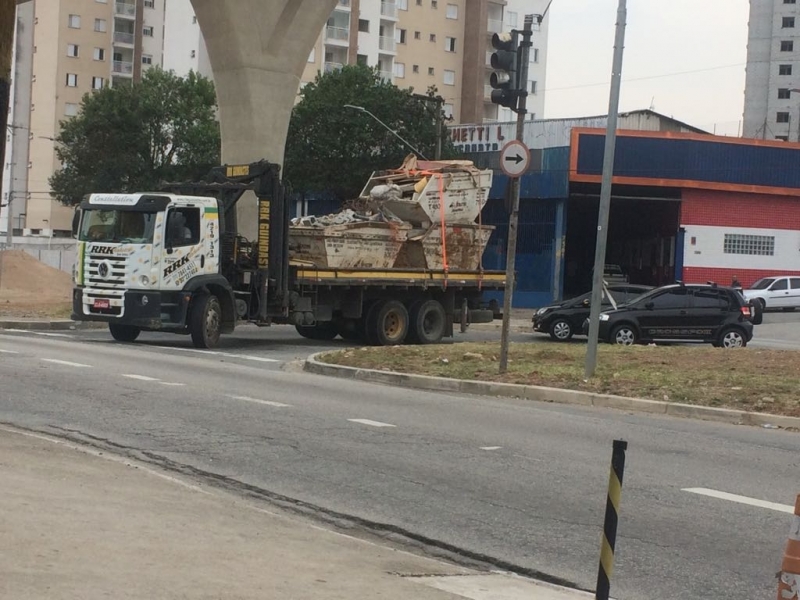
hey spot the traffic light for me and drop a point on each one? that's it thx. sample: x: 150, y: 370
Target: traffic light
x: 505, y: 79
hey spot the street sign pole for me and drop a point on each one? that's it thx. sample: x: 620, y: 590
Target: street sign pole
x: 513, y: 220
x: 605, y: 191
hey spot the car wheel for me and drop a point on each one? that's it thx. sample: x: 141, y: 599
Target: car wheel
x: 624, y: 335
x: 561, y: 330
x: 757, y: 313
x: 762, y: 303
x: 732, y: 337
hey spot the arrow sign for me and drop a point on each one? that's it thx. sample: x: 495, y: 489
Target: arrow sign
x: 515, y: 158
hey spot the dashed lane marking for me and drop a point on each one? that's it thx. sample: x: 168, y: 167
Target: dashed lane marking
x: 42, y: 333
x: 257, y: 401
x: 140, y: 377
x: 224, y: 354
x: 8, y: 352
x: 490, y: 448
x: 371, y: 423
x: 66, y: 363
x: 785, y: 508
x: 170, y: 384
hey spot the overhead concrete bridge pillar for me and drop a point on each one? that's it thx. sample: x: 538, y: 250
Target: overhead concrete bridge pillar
x: 258, y: 50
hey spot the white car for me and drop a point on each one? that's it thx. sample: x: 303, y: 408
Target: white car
x: 775, y: 292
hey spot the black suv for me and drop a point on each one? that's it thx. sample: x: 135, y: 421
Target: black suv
x: 702, y: 313
x: 564, y: 320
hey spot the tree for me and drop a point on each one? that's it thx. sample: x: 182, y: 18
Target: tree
x: 334, y: 149
x: 133, y: 137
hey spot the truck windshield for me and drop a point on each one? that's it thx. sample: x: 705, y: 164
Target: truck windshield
x: 119, y: 226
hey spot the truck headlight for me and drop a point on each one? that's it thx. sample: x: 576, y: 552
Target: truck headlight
x: 144, y: 280
x: 603, y: 317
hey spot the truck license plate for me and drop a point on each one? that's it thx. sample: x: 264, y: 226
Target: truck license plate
x: 102, y: 304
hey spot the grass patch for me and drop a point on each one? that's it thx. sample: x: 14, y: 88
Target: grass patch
x: 57, y: 311
x: 757, y: 380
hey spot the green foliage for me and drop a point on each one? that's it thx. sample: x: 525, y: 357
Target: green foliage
x: 335, y: 149
x: 133, y: 137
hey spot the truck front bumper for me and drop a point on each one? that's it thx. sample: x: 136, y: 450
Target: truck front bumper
x: 148, y: 310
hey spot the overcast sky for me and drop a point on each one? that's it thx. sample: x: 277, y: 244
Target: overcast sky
x: 686, y: 57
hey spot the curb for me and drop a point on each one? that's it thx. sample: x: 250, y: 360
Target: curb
x: 58, y: 325
x: 551, y: 395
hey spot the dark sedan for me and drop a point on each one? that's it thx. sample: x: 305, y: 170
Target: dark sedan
x: 564, y: 320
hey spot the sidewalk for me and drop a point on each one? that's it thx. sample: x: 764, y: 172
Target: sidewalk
x: 77, y: 525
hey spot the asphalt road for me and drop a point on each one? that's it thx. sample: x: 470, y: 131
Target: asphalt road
x: 516, y: 481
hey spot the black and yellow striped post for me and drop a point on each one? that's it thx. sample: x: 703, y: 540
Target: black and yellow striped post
x: 610, y: 524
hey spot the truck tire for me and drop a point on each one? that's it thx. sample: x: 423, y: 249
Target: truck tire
x: 323, y: 332
x: 124, y: 333
x: 205, y: 321
x: 428, y: 322
x: 387, y: 323
x: 351, y: 330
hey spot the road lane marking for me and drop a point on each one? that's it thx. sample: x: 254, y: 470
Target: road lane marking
x: 257, y: 401
x: 140, y: 377
x: 168, y: 383
x: 66, y: 363
x: 490, y: 448
x: 371, y: 423
x: 8, y: 352
x: 225, y: 354
x: 42, y: 333
x: 785, y: 508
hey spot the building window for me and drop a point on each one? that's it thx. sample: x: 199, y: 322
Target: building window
x: 449, y: 44
x: 399, y: 70
x: 100, y: 25
x: 448, y: 111
x: 784, y: 94
x: 194, y: 19
x: 363, y: 25
x: 433, y: 37
x: 787, y: 22
x: 417, y: 35
x: 419, y: 2
x: 400, y: 36
x: 536, y: 55
x: 784, y: 69
x: 149, y: 3
x: 787, y: 46
x: 101, y: 1
x: 449, y: 77
x: 99, y: 54
x: 415, y: 69
x: 147, y: 59
x: 147, y: 31
x: 512, y: 18
x: 532, y: 87
x: 434, y: 4
x: 362, y: 59
x: 72, y: 50
x: 452, y: 11
x: 70, y: 109
x: 431, y: 71
x: 75, y: 21
x: 754, y: 245
x: 97, y: 83
x: 402, y: 4
x: 782, y: 117
x: 789, y: 2
x: 72, y: 80
x: 783, y: 138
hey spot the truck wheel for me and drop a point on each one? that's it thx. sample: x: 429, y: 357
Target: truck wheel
x: 387, y: 323
x: 205, y: 321
x: 428, y: 322
x: 324, y: 332
x: 124, y: 333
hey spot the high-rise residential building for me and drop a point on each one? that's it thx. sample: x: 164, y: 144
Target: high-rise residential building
x: 771, y: 99
x: 64, y: 49
x: 413, y: 43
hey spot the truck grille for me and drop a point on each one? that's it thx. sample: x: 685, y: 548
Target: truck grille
x: 107, y: 272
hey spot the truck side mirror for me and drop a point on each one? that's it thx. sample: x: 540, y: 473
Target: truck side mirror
x: 76, y: 222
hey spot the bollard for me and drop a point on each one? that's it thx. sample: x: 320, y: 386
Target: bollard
x: 610, y: 524
x: 789, y: 583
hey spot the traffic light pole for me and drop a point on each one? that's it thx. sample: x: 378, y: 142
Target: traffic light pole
x: 605, y: 191
x: 513, y: 219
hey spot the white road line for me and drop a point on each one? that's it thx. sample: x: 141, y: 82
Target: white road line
x: 225, y: 354
x: 140, y: 377
x: 170, y: 384
x: 257, y: 401
x: 43, y: 333
x: 66, y: 363
x: 491, y: 447
x: 785, y: 508
x: 371, y: 423
x: 8, y: 352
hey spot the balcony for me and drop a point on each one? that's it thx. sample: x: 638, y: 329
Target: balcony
x: 387, y: 76
x: 120, y: 37
x: 337, y: 34
x: 387, y: 44
x: 122, y: 67
x: 124, y: 9
x: 389, y: 10
x: 495, y: 26
x: 330, y: 67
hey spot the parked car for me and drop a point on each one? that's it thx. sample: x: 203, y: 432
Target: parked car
x: 565, y: 319
x: 682, y: 312
x: 775, y: 292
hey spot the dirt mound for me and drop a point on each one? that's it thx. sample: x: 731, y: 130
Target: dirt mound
x: 31, y: 288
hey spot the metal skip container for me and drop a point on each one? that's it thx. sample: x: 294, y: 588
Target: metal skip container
x: 463, y: 248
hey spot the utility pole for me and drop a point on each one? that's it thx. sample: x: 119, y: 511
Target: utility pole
x: 605, y: 190
x: 8, y: 12
x: 439, y: 102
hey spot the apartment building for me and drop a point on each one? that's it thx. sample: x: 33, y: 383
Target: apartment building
x: 63, y: 50
x: 771, y: 99
x: 413, y: 43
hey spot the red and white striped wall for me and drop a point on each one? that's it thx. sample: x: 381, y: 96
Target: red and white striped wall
x: 706, y: 216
